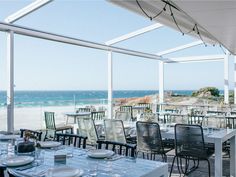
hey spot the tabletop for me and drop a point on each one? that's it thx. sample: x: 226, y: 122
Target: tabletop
x: 77, y: 113
x: 210, y: 134
x: 117, y: 166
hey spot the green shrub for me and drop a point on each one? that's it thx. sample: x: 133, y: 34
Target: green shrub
x: 210, y: 91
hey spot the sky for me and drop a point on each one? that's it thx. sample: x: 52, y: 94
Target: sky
x: 47, y: 65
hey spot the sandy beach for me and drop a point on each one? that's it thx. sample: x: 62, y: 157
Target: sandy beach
x: 33, y: 117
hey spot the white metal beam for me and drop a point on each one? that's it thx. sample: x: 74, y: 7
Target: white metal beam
x: 226, y: 78
x: 134, y: 34
x: 26, y: 10
x: 161, y: 83
x: 73, y: 41
x: 182, y: 47
x: 235, y: 79
x: 110, y: 70
x: 110, y: 86
x: 195, y: 59
x: 10, y: 81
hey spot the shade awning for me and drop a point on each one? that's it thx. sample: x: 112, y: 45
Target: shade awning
x: 211, y: 21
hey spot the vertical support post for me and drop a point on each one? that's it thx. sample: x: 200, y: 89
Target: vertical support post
x: 10, y: 81
x: 226, y: 78
x: 110, y: 86
x: 161, y: 83
x: 235, y: 79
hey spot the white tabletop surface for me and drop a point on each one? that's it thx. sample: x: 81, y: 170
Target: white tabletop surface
x: 77, y: 113
x: 121, y: 166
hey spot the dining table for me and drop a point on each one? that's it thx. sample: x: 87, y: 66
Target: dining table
x: 167, y: 117
x: 77, y: 158
x: 75, y: 115
x: 139, y: 109
x: 217, y: 136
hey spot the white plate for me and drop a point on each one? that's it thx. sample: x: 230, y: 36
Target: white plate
x: 49, y: 144
x: 64, y: 172
x: 100, y: 153
x: 18, y: 160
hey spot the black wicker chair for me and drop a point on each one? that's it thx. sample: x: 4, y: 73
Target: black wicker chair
x: 190, y: 145
x: 231, y: 121
x: 68, y: 139
x: 195, y: 119
x: 2, y: 169
x: 117, y: 147
x: 83, y: 110
x: 147, y: 105
x: 149, y: 140
x: 37, y: 134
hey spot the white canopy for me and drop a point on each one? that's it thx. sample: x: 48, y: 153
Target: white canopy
x: 213, y: 19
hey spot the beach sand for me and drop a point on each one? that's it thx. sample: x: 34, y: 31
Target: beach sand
x: 33, y: 117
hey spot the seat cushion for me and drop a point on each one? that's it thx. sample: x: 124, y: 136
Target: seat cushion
x: 61, y: 127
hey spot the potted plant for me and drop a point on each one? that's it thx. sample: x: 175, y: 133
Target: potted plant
x: 28, y: 145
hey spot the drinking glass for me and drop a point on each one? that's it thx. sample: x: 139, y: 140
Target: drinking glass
x: 93, y: 169
x: 4, y: 149
x: 210, y: 130
x: 39, y: 156
x: 70, y: 151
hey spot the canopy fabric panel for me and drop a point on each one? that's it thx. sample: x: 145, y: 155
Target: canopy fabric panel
x: 217, y: 17
x: 214, y: 18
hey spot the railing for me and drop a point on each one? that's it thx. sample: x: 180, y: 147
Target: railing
x: 30, y: 115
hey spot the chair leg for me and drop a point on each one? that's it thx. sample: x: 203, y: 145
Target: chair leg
x: 67, y: 120
x: 46, y: 134
x: 181, y: 166
x: 10, y: 175
x: 165, y: 158
x: 172, y: 166
x: 209, y: 168
x: 2, y: 172
x: 179, y: 169
x: 54, y: 136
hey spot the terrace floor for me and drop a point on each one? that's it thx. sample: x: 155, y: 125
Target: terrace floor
x: 202, y: 171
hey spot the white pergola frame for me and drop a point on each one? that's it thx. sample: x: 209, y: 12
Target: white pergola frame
x: 15, y: 29
x: 207, y: 58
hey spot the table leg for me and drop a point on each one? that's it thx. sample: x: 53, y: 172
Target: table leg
x: 218, y: 158
x: 74, y: 119
x: 232, y: 156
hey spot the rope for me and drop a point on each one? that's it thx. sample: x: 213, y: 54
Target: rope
x: 151, y: 18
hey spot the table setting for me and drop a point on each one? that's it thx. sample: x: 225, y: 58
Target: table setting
x: 83, y: 162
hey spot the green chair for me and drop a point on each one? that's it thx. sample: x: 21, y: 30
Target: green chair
x: 51, y: 126
x: 98, y: 115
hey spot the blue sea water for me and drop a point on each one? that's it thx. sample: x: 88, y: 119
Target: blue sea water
x: 62, y: 98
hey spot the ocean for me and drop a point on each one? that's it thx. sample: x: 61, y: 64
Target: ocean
x: 63, y: 98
